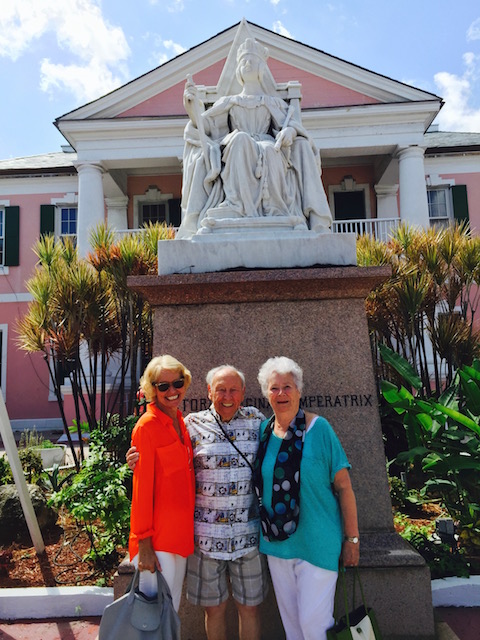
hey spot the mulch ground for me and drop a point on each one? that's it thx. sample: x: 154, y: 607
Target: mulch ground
x: 61, y: 564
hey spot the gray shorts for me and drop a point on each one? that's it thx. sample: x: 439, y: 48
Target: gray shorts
x: 207, y: 579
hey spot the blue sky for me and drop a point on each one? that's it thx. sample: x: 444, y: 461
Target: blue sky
x: 56, y: 55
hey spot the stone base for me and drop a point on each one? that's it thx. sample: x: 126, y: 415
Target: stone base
x: 260, y: 249
x: 192, y: 617
x: 395, y: 580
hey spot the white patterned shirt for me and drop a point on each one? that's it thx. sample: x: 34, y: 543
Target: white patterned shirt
x: 226, y: 522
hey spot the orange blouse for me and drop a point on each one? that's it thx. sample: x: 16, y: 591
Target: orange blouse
x: 163, y: 485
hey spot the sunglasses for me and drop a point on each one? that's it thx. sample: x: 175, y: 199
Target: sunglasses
x: 165, y: 386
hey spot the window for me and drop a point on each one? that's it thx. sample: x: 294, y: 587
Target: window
x: 68, y: 222
x: 349, y: 200
x: 60, y: 217
x: 439, y: 206
x: 167, y: 211
x: 155, y: 206
x: 154, y: 213
x: 349, y: 205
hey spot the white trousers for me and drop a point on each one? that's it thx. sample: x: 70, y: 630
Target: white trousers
x: 305, y: 597
x: 173, y: 570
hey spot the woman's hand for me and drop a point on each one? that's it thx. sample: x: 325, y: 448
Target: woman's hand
x: 147, y: 559
x: 192, y: 103
x: 350, y: 554
x: 285, y: 138
x: 132, y: 458
x: 348, y: 507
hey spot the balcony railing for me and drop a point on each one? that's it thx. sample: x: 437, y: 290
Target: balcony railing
x: 379, y: 228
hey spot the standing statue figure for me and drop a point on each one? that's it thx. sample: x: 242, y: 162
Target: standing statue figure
x: 248, y: 155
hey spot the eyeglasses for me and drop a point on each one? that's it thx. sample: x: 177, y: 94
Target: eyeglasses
x: 165, y: 386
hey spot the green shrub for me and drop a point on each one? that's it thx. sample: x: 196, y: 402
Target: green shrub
x: 5, y: 471
x: 32, y: 464
x: 97, y: 499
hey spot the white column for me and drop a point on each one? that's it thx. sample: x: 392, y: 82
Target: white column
x: 387, y: 202
x: 387, y: 210
x: 413, y: 189
x: 117, y: 212
x: 91, y: 205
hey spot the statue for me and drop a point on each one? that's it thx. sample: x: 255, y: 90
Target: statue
x: 248, y: 155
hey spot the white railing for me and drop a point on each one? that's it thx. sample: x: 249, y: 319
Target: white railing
x: 379, y: 228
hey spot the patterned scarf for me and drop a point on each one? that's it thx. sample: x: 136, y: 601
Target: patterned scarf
x: 286, y: 480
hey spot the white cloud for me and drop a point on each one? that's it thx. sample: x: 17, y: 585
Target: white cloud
x: 176, y: 6
x: 473, y: 32
x: 85, y: 82
x: 280, y: 29
x: 457, y: 113
x: 274, y: 2
x: 100, y: 50
x: 172, y: 49
x: 21, y: 22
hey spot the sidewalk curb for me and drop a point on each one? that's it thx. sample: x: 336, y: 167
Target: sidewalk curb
x: 37, y: 603
x: 456, y: 592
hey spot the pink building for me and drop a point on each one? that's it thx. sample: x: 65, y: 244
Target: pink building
x: 382, y: 160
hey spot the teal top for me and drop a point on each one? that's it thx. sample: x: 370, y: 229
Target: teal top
x: 319, y: 535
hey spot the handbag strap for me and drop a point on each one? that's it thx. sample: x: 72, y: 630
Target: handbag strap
x: 227, y: 437
x: 133, y: 584
x: 356, y: 577
x: 162, y: 586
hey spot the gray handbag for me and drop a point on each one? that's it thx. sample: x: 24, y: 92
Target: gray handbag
x: 136, y: 617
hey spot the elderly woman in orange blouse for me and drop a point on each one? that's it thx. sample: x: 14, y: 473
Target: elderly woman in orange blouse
x: 161, y: 522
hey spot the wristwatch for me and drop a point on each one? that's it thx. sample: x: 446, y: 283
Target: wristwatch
x: 354, y: 540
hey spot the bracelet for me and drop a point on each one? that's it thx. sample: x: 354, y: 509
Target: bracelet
x: 354, y: 540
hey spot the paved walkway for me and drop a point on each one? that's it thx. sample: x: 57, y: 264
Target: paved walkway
x: 64, y: 629
x: 452, y: 624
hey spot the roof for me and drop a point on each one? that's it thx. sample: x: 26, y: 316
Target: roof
x: 60, y: 162
x: 451, y: 141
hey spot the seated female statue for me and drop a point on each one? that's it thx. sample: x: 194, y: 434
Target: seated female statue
x: 248, y: 155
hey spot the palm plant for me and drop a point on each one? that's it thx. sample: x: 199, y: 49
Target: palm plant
x: 86, y: 320
x: 425, y: 311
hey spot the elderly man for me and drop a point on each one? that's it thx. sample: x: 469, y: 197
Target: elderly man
x: 226, y: 527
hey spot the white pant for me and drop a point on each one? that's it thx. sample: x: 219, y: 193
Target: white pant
x: 305, y: 597
x: 173, y: 570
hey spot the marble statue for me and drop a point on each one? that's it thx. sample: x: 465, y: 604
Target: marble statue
x: 248, y: 155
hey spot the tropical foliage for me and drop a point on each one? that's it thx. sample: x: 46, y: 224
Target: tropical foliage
x: 443, y: 437
x: 95, y: 332
x: 426, y: 311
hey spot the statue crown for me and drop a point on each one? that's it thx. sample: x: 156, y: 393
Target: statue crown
x: 252, y: 47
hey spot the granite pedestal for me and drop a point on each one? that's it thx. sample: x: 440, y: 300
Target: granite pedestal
x: 315, y: 316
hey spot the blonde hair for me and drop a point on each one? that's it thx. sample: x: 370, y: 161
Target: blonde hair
x: 154, y: 367
x: 281, y: 365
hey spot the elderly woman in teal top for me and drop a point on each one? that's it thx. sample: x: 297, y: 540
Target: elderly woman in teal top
x: 308, y: 508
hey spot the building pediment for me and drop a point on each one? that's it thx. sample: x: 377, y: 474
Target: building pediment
x: 326, y: 80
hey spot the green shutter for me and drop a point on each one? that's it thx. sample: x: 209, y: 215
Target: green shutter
x: 12, y: 236
x: 460, y: 203
x: 174, y: 212
x: 47, y: 219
